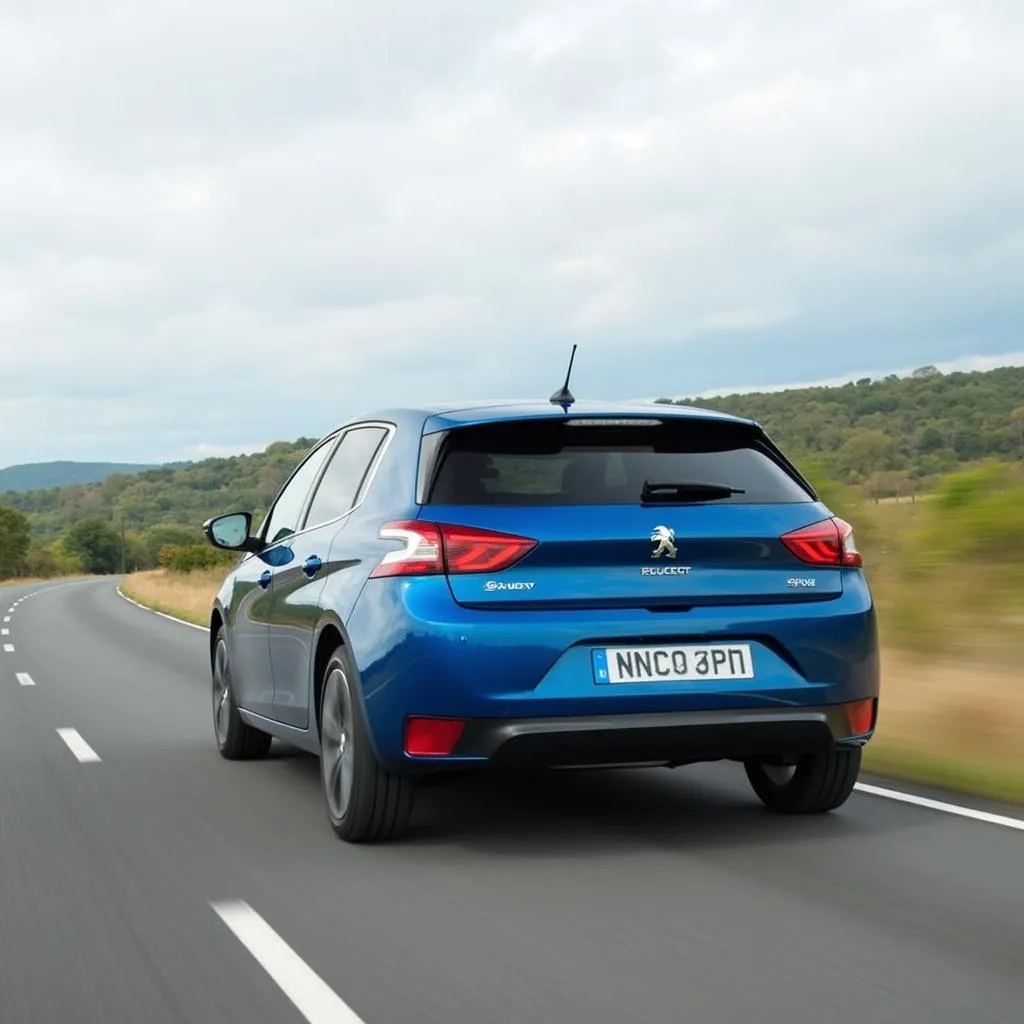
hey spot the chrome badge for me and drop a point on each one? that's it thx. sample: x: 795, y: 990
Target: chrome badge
x: 664, y: 541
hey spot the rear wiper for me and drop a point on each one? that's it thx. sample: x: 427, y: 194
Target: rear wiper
x: 687, y: 492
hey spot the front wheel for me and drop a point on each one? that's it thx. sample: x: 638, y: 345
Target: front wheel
x: 815, y: 784
x: 236, y: 741
x: 365, y: 803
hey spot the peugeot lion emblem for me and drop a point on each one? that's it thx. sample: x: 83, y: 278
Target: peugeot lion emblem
x: 663, y: 540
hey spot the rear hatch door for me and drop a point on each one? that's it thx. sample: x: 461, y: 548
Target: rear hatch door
x: 645, y: 512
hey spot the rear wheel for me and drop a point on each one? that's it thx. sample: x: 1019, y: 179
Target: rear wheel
x: 236, y: 741
x: 365, y: 803
x: 815, y: 784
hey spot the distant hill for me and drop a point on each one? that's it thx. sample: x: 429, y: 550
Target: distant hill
x: 878, y: 431
x: 37, y: 476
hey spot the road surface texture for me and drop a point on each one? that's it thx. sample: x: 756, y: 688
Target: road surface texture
x: 147, y: 880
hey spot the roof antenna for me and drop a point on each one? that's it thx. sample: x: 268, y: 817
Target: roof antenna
x: 564, y: 396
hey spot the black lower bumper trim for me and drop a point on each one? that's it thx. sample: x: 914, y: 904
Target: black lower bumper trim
x: 674, y: 738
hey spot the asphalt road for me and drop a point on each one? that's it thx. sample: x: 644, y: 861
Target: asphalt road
x: 656, y: 897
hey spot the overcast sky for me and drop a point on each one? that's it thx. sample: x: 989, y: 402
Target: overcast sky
x: 228, y: 223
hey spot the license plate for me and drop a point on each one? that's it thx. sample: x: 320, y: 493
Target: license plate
x: 682, y: 664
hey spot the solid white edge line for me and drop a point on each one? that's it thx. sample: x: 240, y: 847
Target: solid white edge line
x: 24, y: 679
x: 163, y: 615
x: 939, y: 805
x: 78, y: 746
x: 312, y: 996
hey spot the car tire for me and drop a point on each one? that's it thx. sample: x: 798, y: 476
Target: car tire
x: 364, y: 802
x: 236, y: 740
x: 816, y: 784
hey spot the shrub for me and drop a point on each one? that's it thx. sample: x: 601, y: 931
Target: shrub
x: 974, y: 520
x: 47, y: 561
x: 192, y: 557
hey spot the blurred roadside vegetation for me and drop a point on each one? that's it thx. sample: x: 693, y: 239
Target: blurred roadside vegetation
x: 947, y: 567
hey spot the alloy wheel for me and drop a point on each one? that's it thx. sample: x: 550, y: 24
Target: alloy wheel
x: 337, y: 750
x: 221, y: 693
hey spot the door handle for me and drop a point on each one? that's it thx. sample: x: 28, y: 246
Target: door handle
x: 311, y: 566
x: 265, y: 578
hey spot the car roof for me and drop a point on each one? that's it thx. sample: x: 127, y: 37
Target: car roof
x: 447, y: 416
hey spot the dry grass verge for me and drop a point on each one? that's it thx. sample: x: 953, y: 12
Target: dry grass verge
x: 188, y: 596
x: 949, y: 722
x: 952, y: 723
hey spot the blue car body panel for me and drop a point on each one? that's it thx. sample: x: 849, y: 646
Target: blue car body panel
x: 451, y: 646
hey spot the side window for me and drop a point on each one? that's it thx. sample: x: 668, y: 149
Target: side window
x: 340, y: 482
x: 284, y: 516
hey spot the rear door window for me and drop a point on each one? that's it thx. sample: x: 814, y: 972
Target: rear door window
x: 556, y: 463
x: 339, y: 486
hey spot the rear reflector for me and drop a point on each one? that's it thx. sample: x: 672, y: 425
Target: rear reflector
x: 436, y: 548
x: 829, y: 542
x: 861, y: 716
x: 432, y: 737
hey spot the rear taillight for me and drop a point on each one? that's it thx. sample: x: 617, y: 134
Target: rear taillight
x: 829, y: 542
x: 422, y: 554
x: 435, y: 548
x: 470, y: 550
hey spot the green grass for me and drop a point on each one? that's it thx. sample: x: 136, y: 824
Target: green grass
x: 974, y: 778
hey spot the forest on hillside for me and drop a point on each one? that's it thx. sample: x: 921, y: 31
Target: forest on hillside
x: 895, y: 435
x: 184, y: 496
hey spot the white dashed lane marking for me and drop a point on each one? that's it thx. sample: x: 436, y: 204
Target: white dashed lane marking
x: 9, y: 648
x: 78, y: 746
x: 312, y: 997
x: 24, y: 679
x: 5, y: 632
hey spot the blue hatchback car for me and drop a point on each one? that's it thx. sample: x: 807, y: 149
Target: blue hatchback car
x: 533, y: 586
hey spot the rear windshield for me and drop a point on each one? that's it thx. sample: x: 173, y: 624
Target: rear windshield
x: 555, y: 463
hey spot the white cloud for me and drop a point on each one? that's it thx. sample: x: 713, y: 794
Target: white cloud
x: 743, y: 319
x: 259, y: 222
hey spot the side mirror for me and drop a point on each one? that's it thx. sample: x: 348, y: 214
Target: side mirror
x: 231, y: 532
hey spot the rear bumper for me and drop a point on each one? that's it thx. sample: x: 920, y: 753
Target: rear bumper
x: 654, y: 739
x: 525, y: 681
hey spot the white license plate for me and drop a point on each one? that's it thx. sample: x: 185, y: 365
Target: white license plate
x: 682, y: 664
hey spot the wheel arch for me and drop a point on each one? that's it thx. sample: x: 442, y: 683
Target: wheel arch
x: 216, y: 624
x: 330, y: 635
